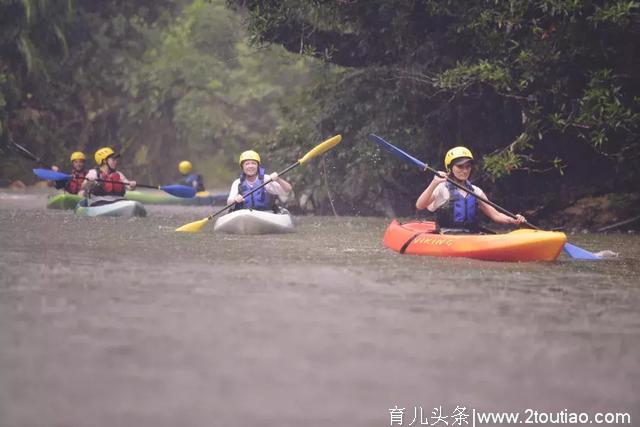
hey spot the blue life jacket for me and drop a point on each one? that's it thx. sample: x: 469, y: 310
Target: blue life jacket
x: 459, y: 211
x: 190, y: 179
x: 260, y: 200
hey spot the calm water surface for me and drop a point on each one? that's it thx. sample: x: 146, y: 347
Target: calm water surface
x: 109, y: 322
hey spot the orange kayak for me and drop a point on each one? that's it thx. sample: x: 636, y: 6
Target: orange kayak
x: 420, y: 238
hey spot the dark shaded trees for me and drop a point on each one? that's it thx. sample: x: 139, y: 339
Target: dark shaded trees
x: 158, y: 80
x: 63, y: 65
x: 534, y: 86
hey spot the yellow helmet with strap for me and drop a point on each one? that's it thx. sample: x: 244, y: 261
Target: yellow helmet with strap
x: 456, y: 153
x: 185, y: 167
x: 102, y: 154
x: 249, y: 155
x: 78, y: 155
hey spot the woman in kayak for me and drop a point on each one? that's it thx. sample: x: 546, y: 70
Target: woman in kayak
x: 456, y: 210
x: 105, y: 184
x: 78, y: 173
x: 252, y: 176
x: 190, y: 179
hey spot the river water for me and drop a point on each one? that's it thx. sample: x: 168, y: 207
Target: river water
x: 111, y: 322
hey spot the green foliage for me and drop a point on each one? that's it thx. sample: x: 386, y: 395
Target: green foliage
x: 465, y: 75
x: 506, y: 161
x: 160, y: 81
x: 529, y: 86
x: 220, y: 95
x: 603, y: 107
x: 620, y: 13
x: 61, y: 79
x: 510, y: 79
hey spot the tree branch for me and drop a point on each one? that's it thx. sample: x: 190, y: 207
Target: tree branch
x: 297, y: 36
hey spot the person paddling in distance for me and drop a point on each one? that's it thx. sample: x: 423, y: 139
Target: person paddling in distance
x: 457, y: 210
x: 101, y: 192
x: 253, y: 175
x: 188, y: 178
x: 78, y: 173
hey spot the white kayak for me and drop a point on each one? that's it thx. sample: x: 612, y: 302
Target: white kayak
x: 121, y: 208
x: 247, y: 221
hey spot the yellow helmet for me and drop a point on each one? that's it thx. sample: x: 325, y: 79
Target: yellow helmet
x: 456, y: 153
x: 78, y: 155
x: 102, y: 154
x: 249, y: 155
x: 185, y: 167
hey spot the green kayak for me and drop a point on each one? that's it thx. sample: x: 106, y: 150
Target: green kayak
x: 63, y: 201
x: 161, y: 198
x: 69, y: 201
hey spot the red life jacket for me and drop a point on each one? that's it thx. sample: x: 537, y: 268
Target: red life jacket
x: 109, y: 188
x: 74, y: 185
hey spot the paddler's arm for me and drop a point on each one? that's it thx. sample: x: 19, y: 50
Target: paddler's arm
x: 283, y: 184
x: 426, y: 198
x: 131, y: 185
x: 61, y: 184
x: 90, y: 181
x: 198, y: 182
x: 233, y: 192
x: 499, y: 217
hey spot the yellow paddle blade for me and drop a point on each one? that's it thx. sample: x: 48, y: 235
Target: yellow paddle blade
x: 321, y: 148
x: 193, y: 227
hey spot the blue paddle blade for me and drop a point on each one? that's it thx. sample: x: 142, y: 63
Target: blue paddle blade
x: 578, y: 253
x: 179, y: 191
x: 396, y: 151
x: 51, y: 175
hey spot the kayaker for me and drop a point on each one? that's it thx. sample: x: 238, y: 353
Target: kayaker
x: 456, y: 210
x: 190, y: 179
x: 100, y: 192
x: 252, y: 176
x: 78, y: 173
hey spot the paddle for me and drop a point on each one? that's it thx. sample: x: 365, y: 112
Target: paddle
x: 175, y: 190
x: 321, y: 148
x: 26, y: 153
x: 572, y: 250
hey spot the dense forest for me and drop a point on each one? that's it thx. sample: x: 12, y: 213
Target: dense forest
x: 545, y: 92
x: 161, y: 81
